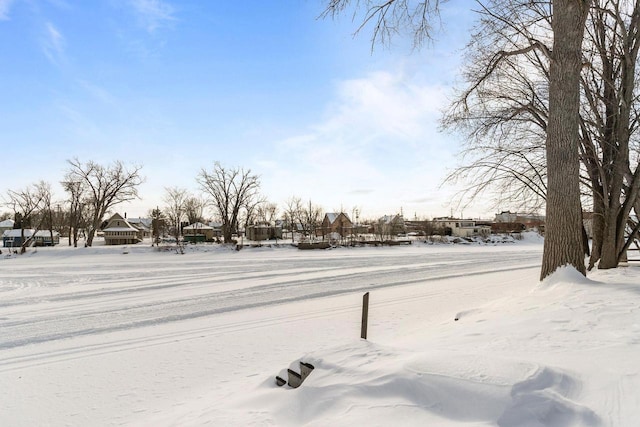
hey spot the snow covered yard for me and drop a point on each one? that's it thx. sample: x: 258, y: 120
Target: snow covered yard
x: 93, y: 336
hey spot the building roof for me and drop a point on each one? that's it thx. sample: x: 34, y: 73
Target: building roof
x: 46, y: 233
x: 16, y: 232
x: 121, y: 227
x: 333, y: 216
x: 198, y: 226
x: 142, y: 222
x: 7, y: 223
x: 28, y: 232
x: 388, y: 219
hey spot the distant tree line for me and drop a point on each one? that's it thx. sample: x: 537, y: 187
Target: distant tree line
x: 92, y: 191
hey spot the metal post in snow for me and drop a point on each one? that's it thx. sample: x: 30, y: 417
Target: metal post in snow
x: 365, y: 315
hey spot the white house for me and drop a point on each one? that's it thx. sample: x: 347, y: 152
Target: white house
x: 461, y: 227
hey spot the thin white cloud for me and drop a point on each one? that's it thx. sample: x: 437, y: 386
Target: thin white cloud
x: 5, y: 7
x: 53, y: 43
x: 378, y: 135
x: 153, y: 14
x: 97, y: 92
x: 385, y: 104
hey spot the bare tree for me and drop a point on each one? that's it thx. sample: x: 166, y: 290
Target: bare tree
x: 383, y: 229
x: 294, y: 212
x: 610, y: 124
x: 503, y: 109
x: 75, y: 192
x: 47, y: 210
x: 267, y: 212
x: 563, y: 243
x: 231, y: 191
x: 104, y: 187
x: 391, y: 17
x: 505, y: 112
x: 29, y: 206
x: 194, y: 209
x: 251, y: 211
x: 175, y: 200
x: 312, y: 218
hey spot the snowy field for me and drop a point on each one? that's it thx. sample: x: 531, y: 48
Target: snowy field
x: 107, y: 336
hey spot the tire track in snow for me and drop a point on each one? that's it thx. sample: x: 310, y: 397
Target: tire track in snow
x: 89, y: 316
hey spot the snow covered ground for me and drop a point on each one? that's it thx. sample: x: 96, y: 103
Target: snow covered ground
x: 112, y: 336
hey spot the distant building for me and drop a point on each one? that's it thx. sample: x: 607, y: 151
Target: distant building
x: 335, y: 225
x: 259, y: 232
x: 119, y: 231
x: 198, y: 232
x: 44, y: 238
x: 390, y: 225
x: 13, y: 238
x: 530, y: 221
x: 461, y: 227
x: 217, y: 228
x: 142, y: 224
x: 506, y: 216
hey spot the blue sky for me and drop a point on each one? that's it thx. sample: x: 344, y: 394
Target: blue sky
x: 264, y: 85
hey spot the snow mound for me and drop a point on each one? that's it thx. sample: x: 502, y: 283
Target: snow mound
x: 544, y: 400
x: 362, y: 382
x: 566, y: 275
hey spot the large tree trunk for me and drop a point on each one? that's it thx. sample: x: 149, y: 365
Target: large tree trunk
x: 563, y: 228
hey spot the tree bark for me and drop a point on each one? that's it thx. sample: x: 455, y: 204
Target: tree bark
x: 563, y: 228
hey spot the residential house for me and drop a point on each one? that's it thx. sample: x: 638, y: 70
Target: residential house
x: 198, y: 232
x: 142, y: 224
x: 119, y: 231
x: 461, y: 227
x: 258, y: 232
x: 217, y: 229
x: 44, y: 238
x: 335, y: 225
x: 13, y: 238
